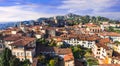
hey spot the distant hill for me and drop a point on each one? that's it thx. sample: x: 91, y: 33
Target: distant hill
x: 74, y: 18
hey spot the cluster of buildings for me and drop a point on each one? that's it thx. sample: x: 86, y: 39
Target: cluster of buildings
x: 22, y: 41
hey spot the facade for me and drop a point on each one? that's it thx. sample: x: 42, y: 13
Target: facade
x: 101, y: 51
x: 92, y: 28
x: 75, y: 42
x: 84, y: 40
x: 11, y: 39
x: 24, y: 48
x: 51, y: 32
x: 112, y: 35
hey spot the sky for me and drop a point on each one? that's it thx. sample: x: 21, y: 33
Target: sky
x: 20, y: 10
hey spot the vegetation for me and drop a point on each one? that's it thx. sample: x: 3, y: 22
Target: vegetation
x: 47, y: 60
x: 92, y: 61
x: 52, y: 62
x: 117, y: 42
x: 7, y: 59
x: 78, y: 52
x: 41, y: 58
x: 52, y: 43
x: 42, y: 41
x: 112, y: 29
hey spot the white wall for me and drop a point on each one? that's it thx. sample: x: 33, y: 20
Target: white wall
x: 75, y: 42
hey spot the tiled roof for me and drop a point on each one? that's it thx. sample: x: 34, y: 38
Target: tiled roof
x: 63, y: 51
x: 105, y: 40
x: 60, y: 51
x: 23, y: 41
x: 12, y: 38
x: 102, y: 45
x: 90, y: 25
x: 110, y: 34
x: 88, y: 37
x: 68, y: 57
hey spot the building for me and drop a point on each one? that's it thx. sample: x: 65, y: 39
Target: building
x: 24, y: 48
x: 101, y: 51
x: 64, y: 53
x: 50, y: 31
x: 112, y: 35
x: 11, y: 39
x: 69, y: 60
x: 92, y: 28
x: 84, y: 40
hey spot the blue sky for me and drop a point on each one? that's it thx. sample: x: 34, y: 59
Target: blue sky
x: 18, y: 10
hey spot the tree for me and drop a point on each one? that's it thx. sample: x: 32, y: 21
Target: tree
x: 52, y: 62
x: 26, y: 62
x: 93, y: 19
x: 87, y: 18
x: 41, y: 58
x: 6, y: 57
x: 111, y: 29
x: 14, y: 61
x: 52, y: 43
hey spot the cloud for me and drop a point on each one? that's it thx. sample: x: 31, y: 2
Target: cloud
x: 90, y: 7
x: 112, y: 15
x: 96, y: 5
x: 20, y: 13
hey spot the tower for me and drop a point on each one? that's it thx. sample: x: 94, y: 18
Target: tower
x: 55, y: 18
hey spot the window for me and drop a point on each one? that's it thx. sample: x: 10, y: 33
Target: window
x: 82, y: 45
x: 108, y: 53
x: 98, y: 52
x: 98, y: 49
x: 27, y: 54
x: 21, y: 54
x: 17, y: 53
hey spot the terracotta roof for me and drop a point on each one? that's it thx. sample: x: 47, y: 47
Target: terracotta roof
x: 105, y: 40
x: 12, y: 38
x: 88, y: 37
x: 63, y: 51
x: 90, y: 25
x: 13, y: 29
x: 60, y: 51
x: 23, y: 41
x: 68, y: 57
x: 110, y: 34
x: 102, y: 45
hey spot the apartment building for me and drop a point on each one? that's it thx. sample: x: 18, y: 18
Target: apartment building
x: 22, y: 47
x: 101, y: 51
